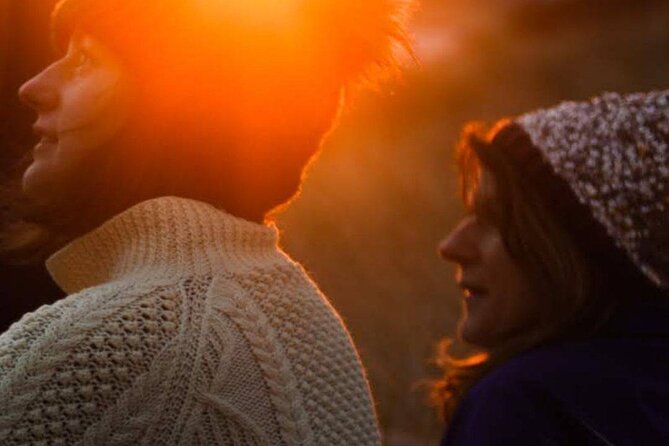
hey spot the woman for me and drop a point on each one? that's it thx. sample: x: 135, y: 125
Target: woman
x: 563, y: 260
x: 169, y: 130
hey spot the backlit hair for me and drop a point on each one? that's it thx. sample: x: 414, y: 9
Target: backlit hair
x: 231, y: 102
x: 346, y: 40
x: 238, y: 95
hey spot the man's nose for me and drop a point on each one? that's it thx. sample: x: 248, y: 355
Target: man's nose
x: 459, y: 246
x: 39, y: 93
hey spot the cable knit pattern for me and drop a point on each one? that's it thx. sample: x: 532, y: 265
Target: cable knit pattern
x: 185, y: 326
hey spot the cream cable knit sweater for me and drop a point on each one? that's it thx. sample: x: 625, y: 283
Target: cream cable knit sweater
x: 186, y: 326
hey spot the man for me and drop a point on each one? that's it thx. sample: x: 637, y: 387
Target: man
x: 168, y: 131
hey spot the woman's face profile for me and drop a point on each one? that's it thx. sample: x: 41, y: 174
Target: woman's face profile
x: 80, y: 106
x: 497, y: 301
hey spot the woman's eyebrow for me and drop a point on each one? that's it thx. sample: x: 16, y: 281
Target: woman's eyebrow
x: 479, y: 206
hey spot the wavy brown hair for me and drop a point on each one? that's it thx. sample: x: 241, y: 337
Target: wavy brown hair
x: 568, y: 260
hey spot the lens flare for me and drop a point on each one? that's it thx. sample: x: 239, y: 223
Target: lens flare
x: 274, y: 13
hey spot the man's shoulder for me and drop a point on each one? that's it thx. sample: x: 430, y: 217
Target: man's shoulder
x: 72, y: 361
x: 93, y: 324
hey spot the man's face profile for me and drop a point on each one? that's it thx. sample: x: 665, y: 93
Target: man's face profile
x: 80, y: 104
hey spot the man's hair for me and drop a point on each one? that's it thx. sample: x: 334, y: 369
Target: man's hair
x: 573, y: 268
x: 351, y: 39
x: 232, y: 101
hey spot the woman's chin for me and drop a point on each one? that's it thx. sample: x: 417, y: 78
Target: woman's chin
x: 472, y: 334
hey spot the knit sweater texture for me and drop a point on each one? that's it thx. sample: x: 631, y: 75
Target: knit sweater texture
x: 184, y: 326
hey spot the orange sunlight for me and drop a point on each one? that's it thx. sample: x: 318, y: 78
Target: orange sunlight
x: 280, y: 14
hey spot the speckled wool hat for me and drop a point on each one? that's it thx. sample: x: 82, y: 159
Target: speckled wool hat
x: 613, y: 152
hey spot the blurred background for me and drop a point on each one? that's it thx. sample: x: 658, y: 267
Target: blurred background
x: 384, y: 190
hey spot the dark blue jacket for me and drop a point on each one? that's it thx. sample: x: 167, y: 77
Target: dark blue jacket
x: 609, y: 390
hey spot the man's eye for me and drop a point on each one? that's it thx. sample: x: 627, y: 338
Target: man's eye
x: 81, y: 61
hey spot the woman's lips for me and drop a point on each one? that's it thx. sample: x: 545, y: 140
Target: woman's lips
x: 471, y: 291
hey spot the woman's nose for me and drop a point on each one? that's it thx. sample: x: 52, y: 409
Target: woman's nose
x: 459, y: 246
x: 39, y: 93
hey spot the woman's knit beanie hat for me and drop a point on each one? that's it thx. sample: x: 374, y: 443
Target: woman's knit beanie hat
x: 613, y: 153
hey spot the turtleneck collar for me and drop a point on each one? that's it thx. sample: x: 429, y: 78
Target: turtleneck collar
x: 162, y: 239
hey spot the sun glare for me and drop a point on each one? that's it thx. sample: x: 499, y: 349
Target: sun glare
x: 276, y: 13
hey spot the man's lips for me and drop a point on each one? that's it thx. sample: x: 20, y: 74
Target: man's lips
x: 44, y: 131
x: 46, y: 142
x: 50, y: 137
x: 46, y: 134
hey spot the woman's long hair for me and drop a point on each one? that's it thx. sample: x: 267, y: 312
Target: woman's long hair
x: 571, y: 265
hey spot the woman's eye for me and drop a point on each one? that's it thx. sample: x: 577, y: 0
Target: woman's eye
x: 484, y: 214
